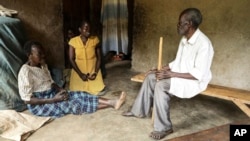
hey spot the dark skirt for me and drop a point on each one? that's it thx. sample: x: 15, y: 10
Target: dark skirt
x: 78, y: 103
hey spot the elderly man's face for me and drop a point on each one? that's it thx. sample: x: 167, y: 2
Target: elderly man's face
x: 183, y: 25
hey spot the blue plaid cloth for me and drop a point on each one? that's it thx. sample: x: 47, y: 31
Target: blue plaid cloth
x: 79, y: 103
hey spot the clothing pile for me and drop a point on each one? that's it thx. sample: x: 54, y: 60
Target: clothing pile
x: 19, y: 126
x: 7, y: 12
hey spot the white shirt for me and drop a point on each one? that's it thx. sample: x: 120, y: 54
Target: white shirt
x: 194, y: 56
x: 33, y: 79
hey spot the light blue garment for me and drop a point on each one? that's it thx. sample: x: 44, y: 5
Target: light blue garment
x: 114, y: 18
x: 78, y: 103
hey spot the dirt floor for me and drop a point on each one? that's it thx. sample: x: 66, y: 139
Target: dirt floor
x: 188, y: 115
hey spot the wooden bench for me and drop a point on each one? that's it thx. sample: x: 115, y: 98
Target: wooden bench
x: 240, y: 97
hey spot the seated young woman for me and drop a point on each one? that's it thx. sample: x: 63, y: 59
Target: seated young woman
x: 44, y: 98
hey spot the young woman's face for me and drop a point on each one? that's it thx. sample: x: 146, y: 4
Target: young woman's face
x: 37, y: 55
x: 85, y: 30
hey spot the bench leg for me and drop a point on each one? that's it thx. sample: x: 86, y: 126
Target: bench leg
x: 242, y: 106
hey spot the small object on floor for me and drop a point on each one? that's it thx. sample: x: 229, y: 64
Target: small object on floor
x: 160, y: 135
x: 117, y: 58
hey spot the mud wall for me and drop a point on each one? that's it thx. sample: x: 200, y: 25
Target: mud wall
x: 226, y: 23
x: 42, y: 21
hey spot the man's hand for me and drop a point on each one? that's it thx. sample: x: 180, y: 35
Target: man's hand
x: 153, y: 70
x: 163, y: 74
x: 166, y: 68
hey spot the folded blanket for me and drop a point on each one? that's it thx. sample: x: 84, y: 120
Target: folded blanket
x: 19, y: 126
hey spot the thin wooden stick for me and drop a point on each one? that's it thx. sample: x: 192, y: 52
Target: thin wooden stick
x: 159, y: 67
x: 160, y: 54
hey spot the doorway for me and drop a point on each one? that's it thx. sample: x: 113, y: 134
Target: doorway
x: 75, y: 11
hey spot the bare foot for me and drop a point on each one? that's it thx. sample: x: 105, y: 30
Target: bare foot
x: 121, y: 100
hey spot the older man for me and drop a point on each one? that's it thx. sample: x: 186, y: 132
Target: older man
x: 185, y: 77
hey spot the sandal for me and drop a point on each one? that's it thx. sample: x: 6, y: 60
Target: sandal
x: 159, y: 135
x: 128, y: 114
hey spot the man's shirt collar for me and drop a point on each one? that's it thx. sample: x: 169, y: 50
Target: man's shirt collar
x: 193, y: 38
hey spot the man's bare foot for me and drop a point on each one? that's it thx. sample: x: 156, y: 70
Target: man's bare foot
x: 120, y: 101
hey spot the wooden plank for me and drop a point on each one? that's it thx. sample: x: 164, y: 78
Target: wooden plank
x: 139, y: 77
x: 227, y: 93
x: 243, y: 107
x: 219, y: 133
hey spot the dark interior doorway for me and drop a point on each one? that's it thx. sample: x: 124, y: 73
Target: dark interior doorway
x: 73, y: 12
x: 77, y: 10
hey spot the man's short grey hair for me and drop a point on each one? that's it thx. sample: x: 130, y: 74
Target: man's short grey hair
x: 193, y: 15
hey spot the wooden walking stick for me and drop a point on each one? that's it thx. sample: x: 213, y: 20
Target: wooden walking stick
x: 159, y: 66
x: 160, y: 54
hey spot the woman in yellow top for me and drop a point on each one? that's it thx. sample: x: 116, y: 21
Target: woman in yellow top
x: 85, y: 58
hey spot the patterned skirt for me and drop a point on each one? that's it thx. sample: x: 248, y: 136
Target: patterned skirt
x: 78, y: 103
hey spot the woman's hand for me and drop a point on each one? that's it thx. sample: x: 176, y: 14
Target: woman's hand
x: 92, y: 76
x: 84, y: 77
x: 55, y: 86
x: 61, y: 96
